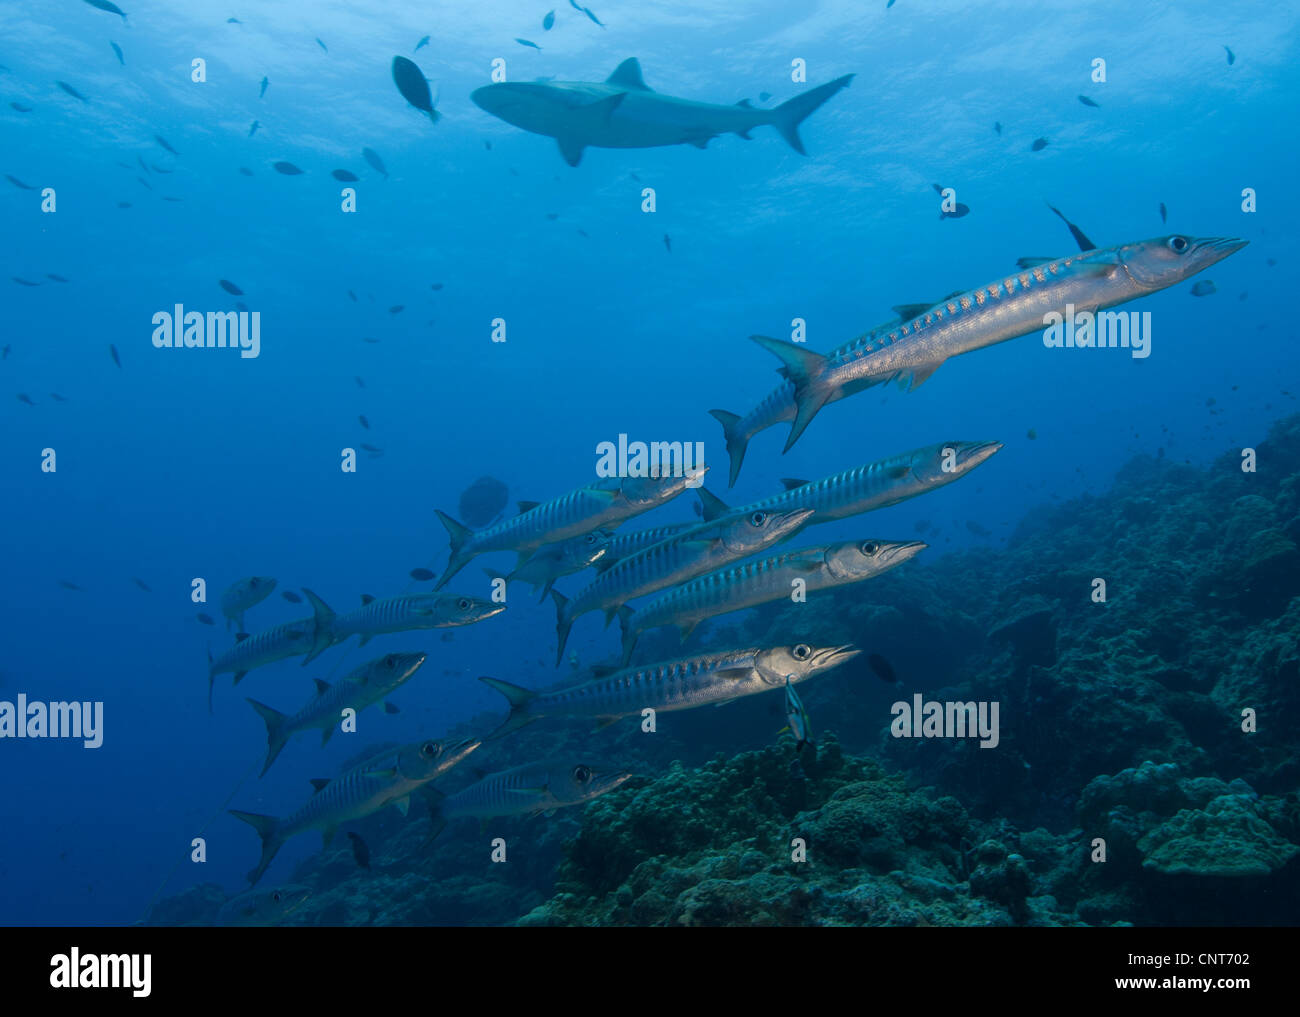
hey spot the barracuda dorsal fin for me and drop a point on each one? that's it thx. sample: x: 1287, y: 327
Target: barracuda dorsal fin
x: 320, y: 783
x: 909, y: 311
x: 746, y: 103
x: 366, y: 598
x: 797, y: 365
x: 322, y: 686
x: 527, y: 506
x: 628, y: 75
x: 711, y: 505
x: 1033, y: 262
x: 790, y: 483
x: 240, y: 637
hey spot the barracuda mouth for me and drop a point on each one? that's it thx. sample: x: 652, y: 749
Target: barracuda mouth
x: 902, y: 552
x: 1210, y: 250
x: 833, y: 656
x: 975, y: 452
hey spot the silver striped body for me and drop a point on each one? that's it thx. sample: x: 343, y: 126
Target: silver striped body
x: 411, y: 611
x: 244, y: 594
x: 532, y: 788
x: 624, y: 545
x: 289, y: 639
x: 365, y: 686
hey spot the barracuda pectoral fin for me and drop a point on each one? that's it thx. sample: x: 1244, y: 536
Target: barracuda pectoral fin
x: 909, y: 311
x: 685, y: 628
x: 790, y: 483
x: 527, y: 506
x: 403, y: 805
x: 319, y: 784
x: 915, y: 378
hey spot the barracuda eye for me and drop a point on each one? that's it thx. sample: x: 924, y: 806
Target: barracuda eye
x: 390, y: 661
x: 581, y: 774
x: 1178, y: 244
x: 463, y: 603
x: 276, y: 896
x: 430, y: 750
x: 801, y: 652
x: 591, y: 538
x: 869, y: 548
x: 758, y: 518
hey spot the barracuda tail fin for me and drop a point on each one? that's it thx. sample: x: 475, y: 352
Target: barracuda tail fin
x: 276, y: 737
x: 787, y: 117
x: 323, y: 627
x: 268, y: 828
x: 737, y: 443
x: 801, y: 368
x: 519, y: 698
x: 563, y: 623
x: 459, y: 535
x: 630, y: 634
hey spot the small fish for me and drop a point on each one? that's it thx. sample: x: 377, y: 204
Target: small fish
x: 123, y: 204
x: 359, y: 381
x: 882, y: 668
x: 668, y: 243
x: 21, y: 108
x: 1164, y: 215
x: 584, y: 233
x: 487, y: 145
x: 1031, y: 434
x: 364, y: 422
x: 57, y: 398
x: 18, y: 183
x: 960, y: 210
x: 977, y: 529
x: 233, y: 21
x: 1038, y: 145
x: 140, y: 160
x: 56, y: 278
x: 397, y: 309
x: 391, y: 708
x: 410, y: 81
x: 796, y: 716
x: 265, y: 83
x: 370, y: 448
x: 1088, y: 102
x: 552, y: 216
x: 421, y: 44
x: 1204, y: 288
x: 997, y: 127
x: 548, y: 22
x: 4, y: 354
x: 113, y: 351
x: 70, y: 586
x: 435, y: 286
x: 240, y: 305
x: 23, y: 397
x: 206, y: 619
x: 345, y: 176
x: 245, y: 171
x: 142, y: 584
x: 421, y: 575
x: 144, y: 183
x: 1232, y: 57
x: 322, y: 46
x: 359, y: 850
x: 163, y: 141
x: 291, y: 597
x: 353, y: 296
x: 158, y: 169
x: 230, y: 287
x: 106, y: 5
x: 287, y: 168
x: 368, y: 339
x: 118, y: 50
x: 253, y: 130
x: 525, y: 42
x: 25, y: 282
x: 69, y: 89
x: 376, y: 163
x: 587, y: 11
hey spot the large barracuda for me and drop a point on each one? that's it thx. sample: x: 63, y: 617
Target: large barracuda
x: 682, y: 684
x: 529, y: 789
x: 622, y: 112
x: 761, y: 582
x: 554, y: 561
x: 368, y: 684
x: 869, y: 487
x: 692, y: 552
x: 389, y: 778
x: 403, y: 613
x: 1006, y: 308
x: 624, y: 545
x: 309, y: 636
x: 605, y: 503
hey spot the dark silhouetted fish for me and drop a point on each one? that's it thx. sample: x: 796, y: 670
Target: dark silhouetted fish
x: 322, y: 46
x: 70, y: 90
x: 587, y: 11
x: 67, y: 585
x: 163, y: 141
x: 265, y: 83
x: 960, y: 211
x: 421, y: 44
x: 56, y: 278
x: 240, y: 305
x: 123, y: 204
x: 353, y: 296
x: 25, y: 282
x: 21, y: 107
x: 360, y: 383
x: 118, y: 50
x: 410, y: 81
x: 1088, y: 102
x: 345, y: 176
x: 668, y: 243
x: 1031, y: 434
x: 18, y: 183
x: 435, y: 286
x: 1038, y: 145
x: 233, y: 21
x: 376, y: 163
x: 291, y: 597
x: 107, y: 5
x: 206, y: 619
x: 230, y: 287
x: 57, y: 398
x: 397, y: 309
x: 245, y: 171
x: 144, y: 183
x: 997, y: 127
x: 552, y: 216
x: 1164, y: 215
x: 391, y: 708
x: 1232, y: 57
x: 287, y: 168
x: 421, y: 575
x: 23, y: 397
x: 368, y: 339
x: 977, y: 529
x: 142, y: 584
x: 370, y: 448
x: 4, y: 354
x: 364, y: 422
x: 253, y: 129
x: 1204, y: 288
x: 113, y: 353
x: 525, y: 42
x: 483, y: 501
x: 1084, y: 243
x: 359, y: 850
x: 548, y: 22
x: 882, y: 668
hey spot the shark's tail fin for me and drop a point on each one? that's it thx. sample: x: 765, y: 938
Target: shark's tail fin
x: 267, y: 828
x: 736, y: 442
x: 459, y: 535
x: 788, y: 116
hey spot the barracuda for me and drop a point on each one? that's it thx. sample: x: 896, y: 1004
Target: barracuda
x: 1009, y: 307
x: 388, y: 778
x: 308, y: 636
x: 761, y: 582
x: 699, y: 549
x: 681, y: 684
x: 368, y: 684
x: 530, y: 789
x: 403, y: 613
x: 554, y: 561
x: 869, y: 487
x: 605, y: 503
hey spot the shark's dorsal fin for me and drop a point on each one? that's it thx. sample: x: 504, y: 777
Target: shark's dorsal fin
x: 628, y: 75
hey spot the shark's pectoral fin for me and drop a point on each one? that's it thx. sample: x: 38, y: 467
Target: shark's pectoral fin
x: 571, y: 150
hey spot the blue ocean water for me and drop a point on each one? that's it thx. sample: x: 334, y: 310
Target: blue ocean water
x: 180, y: 464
